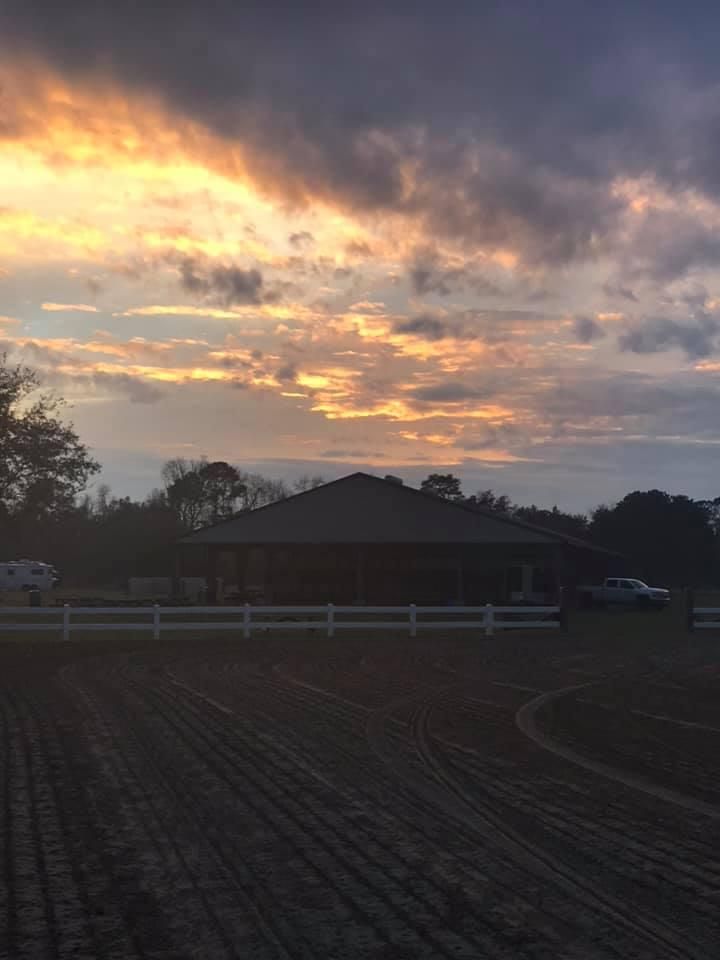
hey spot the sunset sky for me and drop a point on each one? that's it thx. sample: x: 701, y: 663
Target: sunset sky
x: 406, y: 238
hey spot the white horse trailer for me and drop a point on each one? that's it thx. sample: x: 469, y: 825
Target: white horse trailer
x: 27, y: 575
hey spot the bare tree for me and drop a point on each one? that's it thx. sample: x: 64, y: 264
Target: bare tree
x: 308, y: 482
x: 260, y: 490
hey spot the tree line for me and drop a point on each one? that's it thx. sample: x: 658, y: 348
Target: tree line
x: 667, y: 538
x: 101, y: 539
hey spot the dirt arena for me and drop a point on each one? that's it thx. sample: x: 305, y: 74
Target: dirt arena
x: 361, y: 797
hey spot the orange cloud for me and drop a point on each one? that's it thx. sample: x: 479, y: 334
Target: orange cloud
x: 149, y: 178
x: 69, y: 308
x: 24, y: 234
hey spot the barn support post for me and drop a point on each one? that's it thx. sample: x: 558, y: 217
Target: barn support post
x: 563, y: 601
x: 241, y: 565
x: 212, y: 584
x: 460, y: 589
x: 268, y: 581
x: 360, y: 576
x: 526, y: 585
x: 558, y: 567
x: 689, y: 609
x: 176, y: 578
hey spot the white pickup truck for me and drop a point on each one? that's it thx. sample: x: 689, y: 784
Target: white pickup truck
x: 625, y: 591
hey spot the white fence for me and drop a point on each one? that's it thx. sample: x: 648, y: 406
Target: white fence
x: 329, y: 618
x: 697, y: 621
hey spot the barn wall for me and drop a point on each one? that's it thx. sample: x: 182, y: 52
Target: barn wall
x: 382, y: 574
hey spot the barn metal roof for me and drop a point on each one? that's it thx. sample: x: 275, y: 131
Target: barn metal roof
x: 361, y: 508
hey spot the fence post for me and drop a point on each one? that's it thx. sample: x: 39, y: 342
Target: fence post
x: 331, y: 620
x: 564, y: 618
x: 246, y: 622
x: 690, y: 609
x: 156, y: 622
x: 489, y: 620
x: 413, y: 620
x: 66, y: 621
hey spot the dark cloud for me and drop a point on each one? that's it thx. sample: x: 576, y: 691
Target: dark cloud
x: 135, y: 389
x: 587, y: 329
x: 425, y: 279
x: 424, y: 325
x: 354, y: 454
x: 358, y: 248
x: 429, y: 276
x: 287, y: 373
x: 94, y: 286
x: 667, y: 244
x: 227, y: 286
x: 449, y: 392
x: 618, y: 291
x: 43, y: 355
x: 492, y: 326
x: 516, y: 119
x: 301, y: 240
x: 698, y: 338
x: 463, y: 325
x: 677, y: 404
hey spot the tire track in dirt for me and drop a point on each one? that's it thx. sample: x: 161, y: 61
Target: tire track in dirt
x: 28, y: 929
x: 582, y: 826
x: 42, y: 916
x: 526, y: 722
x: 463, y: 870
x: 294, y: 760
x: 528, y: 784
x: 65, y: 914
x: 378, y: 889
x: 420, y: 812
x: 584, y: 893
x: 192, y: 885
x: 437, y: 808
x: 234, y: 922
x: 659, y: 882
x: 510, y: 799
x: 204, y: 750
x: 696, y: 881
x: 67, y: 928
x: 8, y: 903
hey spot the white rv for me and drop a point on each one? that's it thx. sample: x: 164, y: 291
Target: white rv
x: 27, y: 575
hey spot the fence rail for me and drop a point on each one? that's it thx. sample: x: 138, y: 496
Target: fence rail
x: 697, y: 621
x: 328, y: 617
x: 697, y: 617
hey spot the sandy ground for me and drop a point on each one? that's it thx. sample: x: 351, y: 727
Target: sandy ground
x: 538, y: 797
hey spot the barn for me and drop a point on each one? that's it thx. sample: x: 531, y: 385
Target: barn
x: 367, y: 540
